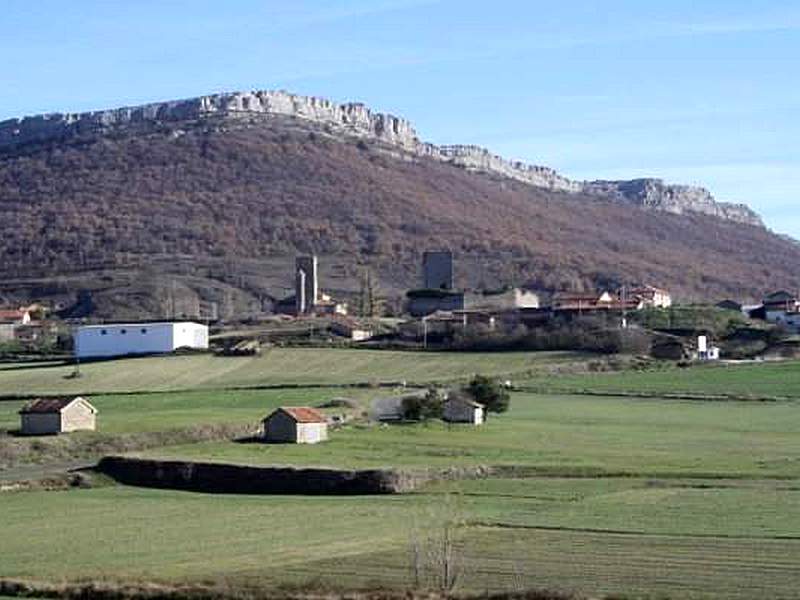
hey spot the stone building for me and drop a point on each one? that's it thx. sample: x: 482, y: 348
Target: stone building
x: 437, y: 269
x: 295, y: 425
x: 460, y: 409
x: 57, y: 415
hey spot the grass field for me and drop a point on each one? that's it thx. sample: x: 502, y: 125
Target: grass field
x: 563, y: 434
x: 303, y: 366
x: 768, y: 379
x: 160, y: 411
x: 708, y: 507
x: 512, y: 533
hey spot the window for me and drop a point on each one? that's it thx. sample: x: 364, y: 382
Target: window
x: 123, y: 331
x: 103, y: 332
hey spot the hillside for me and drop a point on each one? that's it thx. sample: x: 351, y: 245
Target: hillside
x: 159, y: 215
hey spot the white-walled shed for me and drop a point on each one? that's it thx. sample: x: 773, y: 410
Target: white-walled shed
x: 122, y: 339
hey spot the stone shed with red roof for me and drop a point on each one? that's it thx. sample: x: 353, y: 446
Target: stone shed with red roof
x: 295, y: 425
x: 57, y: 415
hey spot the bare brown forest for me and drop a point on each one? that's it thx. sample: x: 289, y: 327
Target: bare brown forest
x: 241, y: 193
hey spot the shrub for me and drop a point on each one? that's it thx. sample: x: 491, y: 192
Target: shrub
x: 490, y: 393
x: 422, y: 408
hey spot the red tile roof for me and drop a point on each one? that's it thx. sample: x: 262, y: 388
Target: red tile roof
x: 47, y: 405
x: 304, y: 414
x: 12, y: 315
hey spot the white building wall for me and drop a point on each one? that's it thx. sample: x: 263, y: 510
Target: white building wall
x: 78, y: 416
x: 311, y: 433
x: 462, y: 412
x: 189, y: 335
x: 94, y: 341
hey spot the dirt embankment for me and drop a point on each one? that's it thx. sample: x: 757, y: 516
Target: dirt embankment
x: 17, y: 451
x: 241, y: 479
x: 230, y: 590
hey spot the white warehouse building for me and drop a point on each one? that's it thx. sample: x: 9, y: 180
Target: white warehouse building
x: 122, y: 339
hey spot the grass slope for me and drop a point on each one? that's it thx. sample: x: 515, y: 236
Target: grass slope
x: 297, y: 366
x: 563, y: 434
x: 364, y: 541
x: 759, y: 380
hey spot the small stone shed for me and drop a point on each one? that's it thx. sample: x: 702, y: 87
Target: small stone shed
x: 57, y: 415
x: 295, y: 425
x: 459, y: 409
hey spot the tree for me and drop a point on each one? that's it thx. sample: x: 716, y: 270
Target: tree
x: 489, y: 392
x: 422, y: 408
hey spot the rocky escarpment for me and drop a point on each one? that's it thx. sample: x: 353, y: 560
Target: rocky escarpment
x: 356, y: 119
x: 677, y: 199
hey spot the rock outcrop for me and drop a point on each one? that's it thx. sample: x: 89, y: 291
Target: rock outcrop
x: 677, y: 199
x: 355, y: 119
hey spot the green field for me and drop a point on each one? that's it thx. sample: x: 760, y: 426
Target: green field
x: 565, y: 534
x: 760, y: 380
x: 563, y: 434
x: 277, y: 366
x: 603, y: 494
x: 133, y: 413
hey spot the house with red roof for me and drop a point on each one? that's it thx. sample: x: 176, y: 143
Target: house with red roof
x: 295, y: 425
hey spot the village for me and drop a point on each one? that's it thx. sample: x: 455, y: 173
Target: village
x: 436, y: 313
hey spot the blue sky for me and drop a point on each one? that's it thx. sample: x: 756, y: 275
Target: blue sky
x: 704, y: 92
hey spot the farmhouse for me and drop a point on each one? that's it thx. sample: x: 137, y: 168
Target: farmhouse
x: 459, y: 409
x: 92, y: 341
x: 57, y: 415
x: 17, y: 316
x: 781, y: 308
x: 295, y: 425
x: 351, y: 328
x: 652, y: 296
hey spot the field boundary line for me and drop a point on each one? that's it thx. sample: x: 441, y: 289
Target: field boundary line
x: 411, y: 385
x: 498, y: 525
x: 655, y: 395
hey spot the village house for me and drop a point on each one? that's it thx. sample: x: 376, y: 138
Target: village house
x: 730, y: 305
x: 11, y: 320
x: 295, y: 425
x: 510, y: 299
x: 351, y: 329
x: 781, y: 308
x: 460, y: 409
x: 450, y: 321
x: 652, y: 296
x: 57, y: 415
x: 592, y: 303
x: 15, y: 316
x: 706, y: 351
x: 123, y: 339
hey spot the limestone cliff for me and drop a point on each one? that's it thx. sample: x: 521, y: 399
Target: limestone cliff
x: 355, y: 119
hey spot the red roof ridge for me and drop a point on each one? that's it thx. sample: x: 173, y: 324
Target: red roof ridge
x: 50, y: 405
x: 302, y: 414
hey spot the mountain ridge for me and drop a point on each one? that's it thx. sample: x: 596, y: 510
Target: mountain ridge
x: 356, y: 119
x: 154, y: 219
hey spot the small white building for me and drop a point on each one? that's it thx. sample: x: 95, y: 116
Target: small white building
x: 705, y: 351
x: 458, y: 409
x: 57, y: 415
x: 124, y: 339
x: 653, y: 296
x: 295, y: 425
